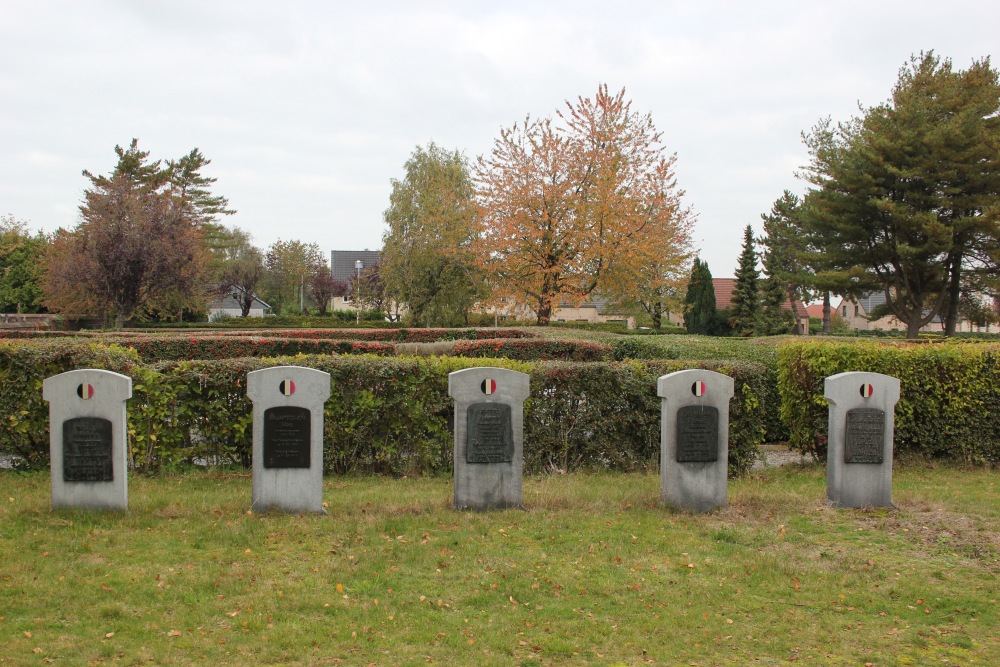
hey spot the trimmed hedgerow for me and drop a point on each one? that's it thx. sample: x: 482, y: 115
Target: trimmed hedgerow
x: 24, y: 414
x: 399, y: 335
x: 32, y: 334
x: 761, y: 350
x: 177, y: 348
x: 534, y: 349
x: 384, y: 416
x: 949, y: 405
x: 607, y: 415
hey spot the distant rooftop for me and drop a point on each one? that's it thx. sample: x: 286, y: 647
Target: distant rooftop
x: 724, y: 297
x: 342, y: 262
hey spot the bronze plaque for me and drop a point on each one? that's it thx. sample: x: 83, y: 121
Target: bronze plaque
x: 865, y: 435
x: 287, y: 437
x: 87, y: 450
x: 697, y: 434
x: 490, y: 436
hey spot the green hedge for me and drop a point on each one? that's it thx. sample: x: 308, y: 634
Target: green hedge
x: 762, y: 350
x: 24, y: 414
x: 177, y: 348
x: 949, y: 404
x: 384, y: 416
x: 396, y: 335
x: 534, y: 349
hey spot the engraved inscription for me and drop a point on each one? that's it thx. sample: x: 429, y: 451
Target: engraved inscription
x: 287, y: 437
x: 865, y: 435
x: 697, y: 434
x: 490, y: 437
x: 87, y: 450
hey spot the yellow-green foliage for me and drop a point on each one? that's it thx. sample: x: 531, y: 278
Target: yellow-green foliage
x: 949, y: 402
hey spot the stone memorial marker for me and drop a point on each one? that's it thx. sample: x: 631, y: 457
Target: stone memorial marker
x: 288, y: 438
x: 88, y: 437
x: 859, y: 444
x: 489, y: 436
x: 694, y: 439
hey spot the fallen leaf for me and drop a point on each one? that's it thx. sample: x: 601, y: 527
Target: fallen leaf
x: 174, y: 633
x: 340, y: 588
x: 109, y: 635
x: 27, y: 634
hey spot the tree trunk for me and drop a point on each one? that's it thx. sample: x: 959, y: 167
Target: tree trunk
x: 913, y: 329
x: 954, y: 294
x: 657, y: 315
x: 827, y: 316
x: 544, y: 314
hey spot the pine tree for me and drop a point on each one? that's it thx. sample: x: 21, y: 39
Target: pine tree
x: 699, y: 304
x: 193, y: 189
x: 774, y: 318
x: 746, y: 298
x: 782, y: 248
x: 906, y: 194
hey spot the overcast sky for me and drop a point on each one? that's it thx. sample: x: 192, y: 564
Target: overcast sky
x: 308, y: 109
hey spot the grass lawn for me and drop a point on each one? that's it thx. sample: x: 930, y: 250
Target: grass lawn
x: 593, y: 573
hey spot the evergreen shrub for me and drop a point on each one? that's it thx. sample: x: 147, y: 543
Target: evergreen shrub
x: 949, y: 404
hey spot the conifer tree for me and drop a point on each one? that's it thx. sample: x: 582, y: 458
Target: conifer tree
x: 746, y: 298
x: 906, y: 196
x: 699, y: 303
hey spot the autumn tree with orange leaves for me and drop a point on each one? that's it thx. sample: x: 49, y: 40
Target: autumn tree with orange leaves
x: 583, y: 204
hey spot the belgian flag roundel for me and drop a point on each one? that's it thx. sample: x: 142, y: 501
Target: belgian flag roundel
x: 287, y: 387
x: 867, y: 390
x: 85, y: 391
x: 489, y: 386
x: 698, y: 388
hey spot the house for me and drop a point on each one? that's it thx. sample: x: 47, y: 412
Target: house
x: 856, y: 312
x: 816, y: 310
x: 345, y: 265
x: 226, y: 305
x: 594, y: 310
x: 724, y: 300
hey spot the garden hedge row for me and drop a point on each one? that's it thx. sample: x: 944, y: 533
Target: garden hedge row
x: 532, y: 349
x: 396, y: 335
x: 177, y: 348
x: 403, y: 335
x: 384, y: 416
x: 155, y: 348
x: 949, y: 405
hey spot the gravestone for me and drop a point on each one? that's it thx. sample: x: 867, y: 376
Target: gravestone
x: 88, y: 436
x: 694, y: 439
x: 288, y: 438
x: 860, y: 437
x: 489, y: 436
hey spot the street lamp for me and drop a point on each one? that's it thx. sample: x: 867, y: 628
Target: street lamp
x: 358, y: 264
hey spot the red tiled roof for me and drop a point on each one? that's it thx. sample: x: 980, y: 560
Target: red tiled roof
x: 723, y: 292
x: 724, y: 297
x: 815, y: 310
